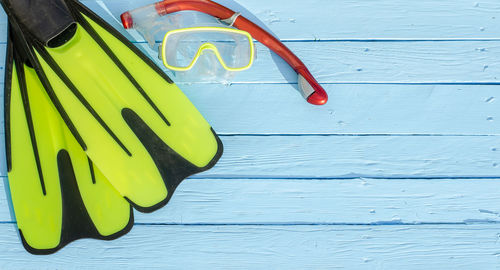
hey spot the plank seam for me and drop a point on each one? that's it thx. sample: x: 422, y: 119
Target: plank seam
x: 332, y: 224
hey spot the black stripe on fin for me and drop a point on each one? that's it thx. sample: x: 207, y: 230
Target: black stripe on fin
x: 172, y: 166
x: 60, y: 73
x: 76, y: 222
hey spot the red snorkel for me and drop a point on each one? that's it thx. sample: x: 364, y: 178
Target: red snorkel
x: 312, y: 91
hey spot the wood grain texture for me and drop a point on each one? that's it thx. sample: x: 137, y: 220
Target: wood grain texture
x: 325, y: 202
x: 399, y: 62
x: 381, y: 62
x: 352, y: 109
x: 356, y: 156
x: 363, y: 19
x: 282, y: 247
x: 388, y: 62
x: 257, y: 109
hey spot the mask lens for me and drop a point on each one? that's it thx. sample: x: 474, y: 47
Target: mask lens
x: 235, y: 51
x: 232, y: 48
x: 181, y: 49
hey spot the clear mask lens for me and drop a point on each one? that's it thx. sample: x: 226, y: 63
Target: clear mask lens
x: 182, y: 48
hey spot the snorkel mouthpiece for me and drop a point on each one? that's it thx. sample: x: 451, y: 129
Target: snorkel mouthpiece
x: 311, y: 90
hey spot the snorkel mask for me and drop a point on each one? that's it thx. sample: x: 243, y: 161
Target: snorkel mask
x: 308, y: 86
x: 182, y: 48
x: 196, y: 47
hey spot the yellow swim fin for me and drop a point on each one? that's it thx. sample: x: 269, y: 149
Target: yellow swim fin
x: 57, y: 193
x: 139, y: 129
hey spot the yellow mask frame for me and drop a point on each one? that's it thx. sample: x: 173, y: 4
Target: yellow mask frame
x: 208, y: 46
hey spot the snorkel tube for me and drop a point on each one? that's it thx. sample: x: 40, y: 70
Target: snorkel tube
x: 310, y: 89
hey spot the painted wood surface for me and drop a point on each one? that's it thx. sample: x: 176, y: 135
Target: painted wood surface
x: 365, y: 19
x: 400, y: 170
x: 361, y: 201
x: 284, y: 247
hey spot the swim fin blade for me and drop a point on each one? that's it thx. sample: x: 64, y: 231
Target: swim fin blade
x: 138, y: 128
x: 57, y: 193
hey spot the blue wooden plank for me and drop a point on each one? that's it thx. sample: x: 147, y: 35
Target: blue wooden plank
x: 327, y: 202
x: 378, y: 62
x: 414, y: 62
x: 353, y: 109
x: 365, y: 19
x: 277, y: 247
x: 336, y: 157
x: 358, y: 156
x: 362, y: 19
